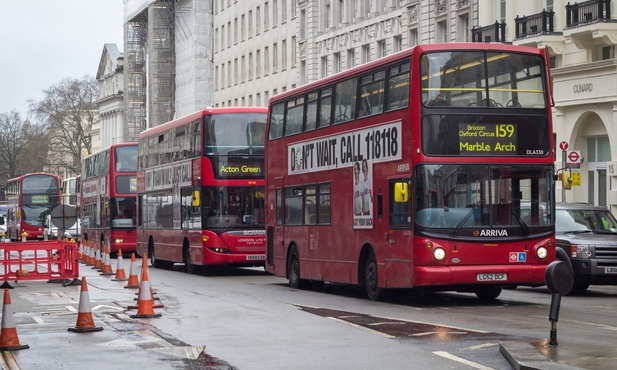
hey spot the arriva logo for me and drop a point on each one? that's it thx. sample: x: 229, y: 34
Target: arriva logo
x: 490, y: 233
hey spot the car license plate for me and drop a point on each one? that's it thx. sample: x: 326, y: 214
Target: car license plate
x: 259, y: 257
x: 492, y: 277
x: 610, y: 270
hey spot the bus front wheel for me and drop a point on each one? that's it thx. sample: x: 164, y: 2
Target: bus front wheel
x: 293, y: 268
x: 488, y: 293
x: 373, y: 292
x: 190, y: 267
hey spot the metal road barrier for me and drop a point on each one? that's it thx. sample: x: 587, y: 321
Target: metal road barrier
x: 52, y: 260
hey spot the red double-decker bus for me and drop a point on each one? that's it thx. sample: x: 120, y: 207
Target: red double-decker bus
x: 200, y: 187
x: 108, y: 191
x: 30, y: 199
x: 432, y: 167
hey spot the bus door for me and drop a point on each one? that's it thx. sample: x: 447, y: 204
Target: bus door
x: 275, y: 232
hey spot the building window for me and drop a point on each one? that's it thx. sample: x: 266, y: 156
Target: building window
x: 351, y: 58
x: 266, y: 61
x: 236, y: 30
x: 294, y: 55
x: 603, y: 52
x: 257, y: 20
x: 463, y: 28
x: 336, y: 62
x: 275, y: 57
x: 284, y: 55
x: 250, y: 23
x: 250, y: 66
x: 242, y: 28
x: 397, y: 43
x: 441, y: 32
x: 266, y: 15
x: 275, y: 10
x: 413, y: 37
x: 258, y: 64
x: 324, y: 67
x: 366, y: 53
x: 381, y: 48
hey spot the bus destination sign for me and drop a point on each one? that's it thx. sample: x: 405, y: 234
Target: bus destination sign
x: 488, y: 138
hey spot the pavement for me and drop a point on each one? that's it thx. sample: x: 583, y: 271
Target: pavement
x: 520, y: 354
x: 541, y: 355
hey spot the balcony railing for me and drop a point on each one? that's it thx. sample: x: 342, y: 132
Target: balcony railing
x: 591, y: 11
x: 535, y: 24
x: 492, y: 33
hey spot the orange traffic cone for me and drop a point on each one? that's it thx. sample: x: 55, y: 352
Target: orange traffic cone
x: 133, y: 282
x: 120, y: 274
x: 85, y: 321
x: 145, y: 303
x: 98, y: 262
x: 106, y: 269
x: 8, y: 337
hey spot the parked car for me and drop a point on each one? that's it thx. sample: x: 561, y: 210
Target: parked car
x: 3, y: 220
x: 588, y: 234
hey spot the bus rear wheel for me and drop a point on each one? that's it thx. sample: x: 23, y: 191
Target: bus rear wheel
x: 157, y: 263
x: 293, y: 268
x: 370, y: 282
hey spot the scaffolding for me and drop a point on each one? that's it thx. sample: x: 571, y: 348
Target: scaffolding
x: 135, y: 36
x: 149, y: 68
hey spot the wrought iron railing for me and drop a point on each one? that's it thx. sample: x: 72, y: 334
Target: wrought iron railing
x: 493, y: 33
x: 591, y: 11
x: 535, y: 24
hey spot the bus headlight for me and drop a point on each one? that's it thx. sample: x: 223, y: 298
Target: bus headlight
x: 439, y: 254
x: 541, y: 253
x: 119, y: 240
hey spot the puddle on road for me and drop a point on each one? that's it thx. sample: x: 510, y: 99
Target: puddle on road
x: 402, y: 329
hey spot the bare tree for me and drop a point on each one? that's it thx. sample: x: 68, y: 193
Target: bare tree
x: 23, y: 146
x: 69, y: 110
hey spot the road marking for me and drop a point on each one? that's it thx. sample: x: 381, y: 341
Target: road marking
x: 461, y: 360
x: 481, y: 346
x: 361, y: 327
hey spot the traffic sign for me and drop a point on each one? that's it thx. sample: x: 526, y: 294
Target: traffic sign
x: 574, y: 157
x: 63, y: 216
x: 563, y: 146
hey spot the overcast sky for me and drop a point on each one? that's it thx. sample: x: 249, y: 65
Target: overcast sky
x: 45, y: 41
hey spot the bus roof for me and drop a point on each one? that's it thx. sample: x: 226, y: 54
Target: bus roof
x: 418, y: 49
x: 130, y: 143
x: 31, y: 174
x: 193, y: 116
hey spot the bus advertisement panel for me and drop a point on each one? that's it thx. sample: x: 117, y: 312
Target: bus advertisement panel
x: 108, y: 191
x: 30, y: 199
x: 200, y: 188
x: 429, y: 168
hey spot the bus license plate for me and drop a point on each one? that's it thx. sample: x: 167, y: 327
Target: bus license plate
x: 492, y: 277
x: 259, y: 257
x: 610, y: 270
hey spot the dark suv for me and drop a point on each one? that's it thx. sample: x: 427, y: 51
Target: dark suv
x: 588, y: 234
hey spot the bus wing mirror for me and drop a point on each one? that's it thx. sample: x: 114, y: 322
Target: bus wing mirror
x: 196, y: 197
x: 401, y: 192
